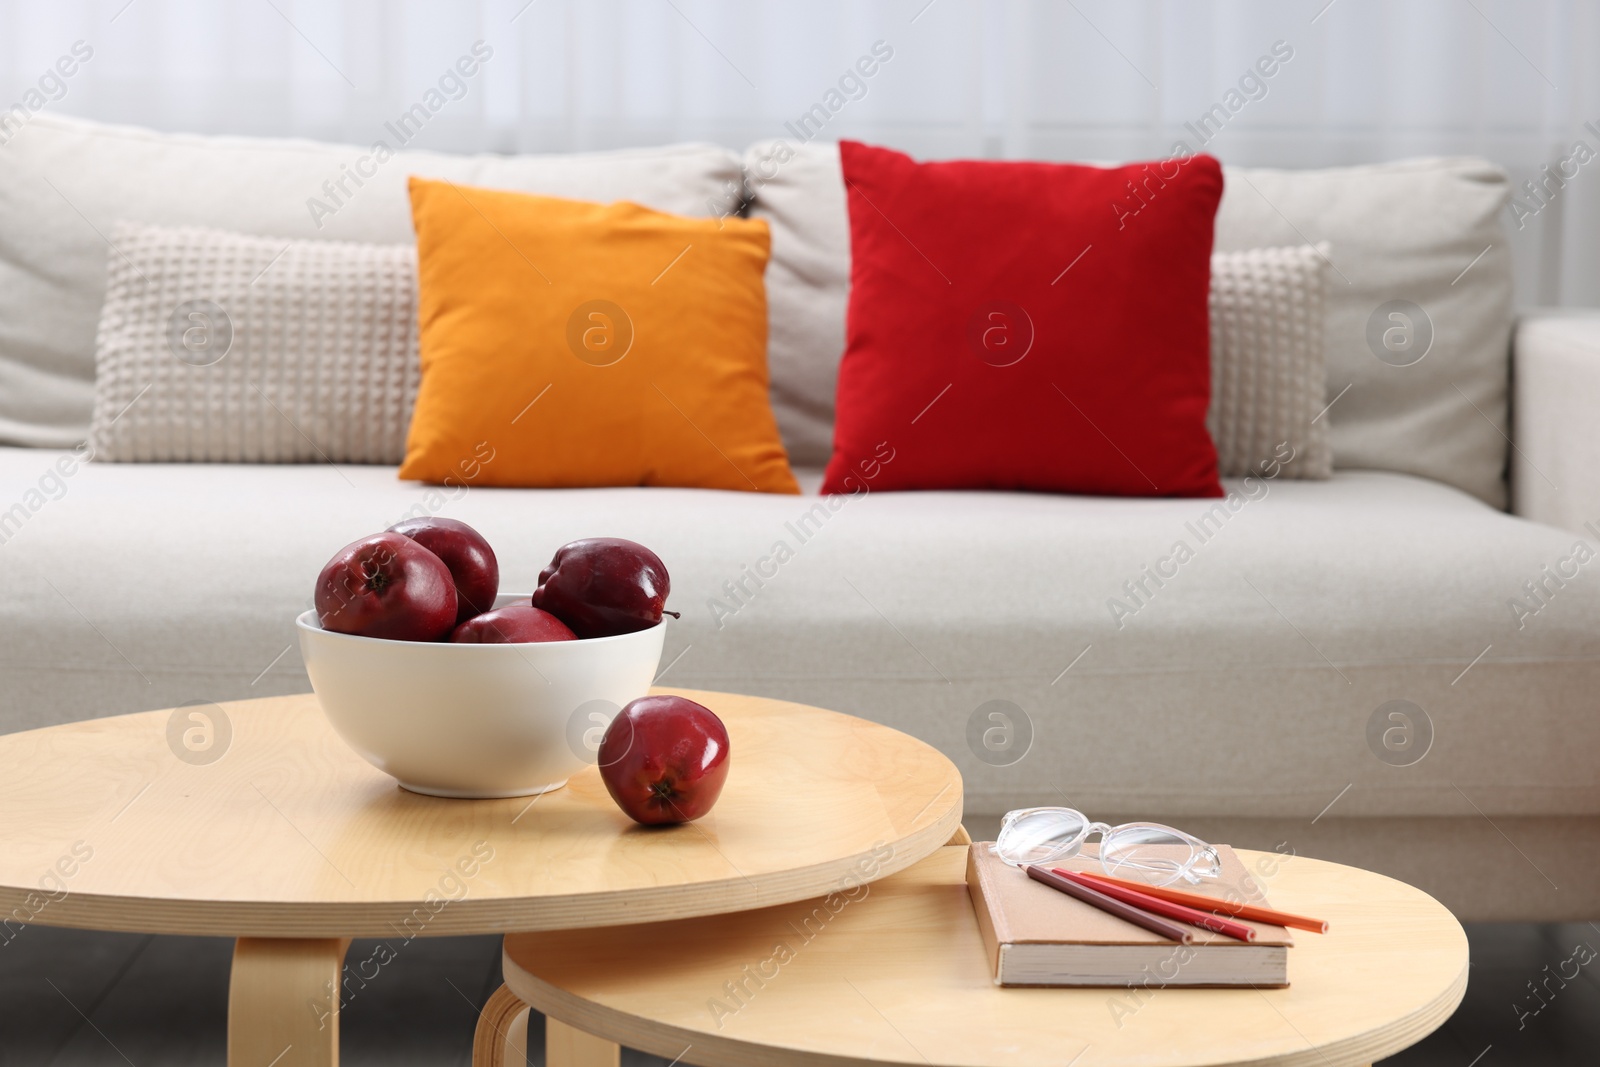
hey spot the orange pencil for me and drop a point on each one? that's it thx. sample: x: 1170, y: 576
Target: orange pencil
x: 1200, y: 900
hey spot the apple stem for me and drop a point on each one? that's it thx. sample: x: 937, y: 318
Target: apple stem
x: 674, y: 614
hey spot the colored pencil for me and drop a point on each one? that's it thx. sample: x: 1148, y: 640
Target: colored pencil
x: 1209, y: 903
x: 1181, y: 912
x: 1138, y: 916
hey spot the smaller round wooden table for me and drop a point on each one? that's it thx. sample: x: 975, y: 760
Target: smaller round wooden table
x: 899, y: 976
x: 255, y: 821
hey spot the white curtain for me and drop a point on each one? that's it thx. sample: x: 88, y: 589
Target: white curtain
x: 1352, y: 81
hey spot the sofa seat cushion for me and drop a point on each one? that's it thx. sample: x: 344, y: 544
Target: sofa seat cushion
x: 1244, y: 684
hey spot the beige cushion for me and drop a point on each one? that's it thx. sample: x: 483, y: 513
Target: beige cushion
x: 1425, y: 232
x: 914, y: 609
x: 808, y: 287
x: 1267, y: 368
x: 64, y: 183
x: 225, y: 348
x: 1398, y: 231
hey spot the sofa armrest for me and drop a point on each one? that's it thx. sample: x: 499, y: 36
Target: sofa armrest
x: 1555, y: 416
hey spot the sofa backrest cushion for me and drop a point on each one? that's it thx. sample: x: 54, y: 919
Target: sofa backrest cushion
x: 64, y: 183
x: 1419, y: 307
x: 799, y: 190
x: 1416, y: 234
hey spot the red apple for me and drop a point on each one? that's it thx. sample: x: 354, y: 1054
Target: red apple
x: 603, y: 586
x: 471, y: 561
x: 664, y: 759
x: 386, y: 586
x: 512, y: 624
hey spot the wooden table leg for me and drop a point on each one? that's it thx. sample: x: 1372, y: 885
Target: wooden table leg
x: 502, y: 1035
x: 566, y: 1046
x: 283, y: 1002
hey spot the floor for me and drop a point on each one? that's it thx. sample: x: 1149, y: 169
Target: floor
x: 75, y: 999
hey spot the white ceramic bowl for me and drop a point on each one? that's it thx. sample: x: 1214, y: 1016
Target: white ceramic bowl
x: 476, y: 720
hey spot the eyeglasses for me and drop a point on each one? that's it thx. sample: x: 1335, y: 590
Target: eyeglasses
x: 1147, y: 851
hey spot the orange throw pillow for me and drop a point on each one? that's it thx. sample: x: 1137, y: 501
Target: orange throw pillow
x: 569, y: 344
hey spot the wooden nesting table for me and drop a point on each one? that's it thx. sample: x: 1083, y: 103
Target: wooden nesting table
x: 898, y: 975
x: 292, y: 844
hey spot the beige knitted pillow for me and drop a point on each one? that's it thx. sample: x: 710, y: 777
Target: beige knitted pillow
x: 218, y: 347
x: 1267, y: 367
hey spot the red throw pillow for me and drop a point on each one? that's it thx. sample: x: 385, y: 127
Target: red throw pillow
x: 1027, y: 326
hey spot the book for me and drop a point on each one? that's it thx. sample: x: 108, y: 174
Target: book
x: 1036, y: 936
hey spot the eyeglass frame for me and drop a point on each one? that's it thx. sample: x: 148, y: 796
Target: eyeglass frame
x: 1185, y: 873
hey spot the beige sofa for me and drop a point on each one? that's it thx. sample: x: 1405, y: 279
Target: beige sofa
x: 1248, y: 697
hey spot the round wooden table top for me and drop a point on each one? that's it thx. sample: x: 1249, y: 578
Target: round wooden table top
x: 900, y: 976
x: 291, y: 834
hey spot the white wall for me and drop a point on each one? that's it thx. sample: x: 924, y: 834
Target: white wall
x: 1514, y: 80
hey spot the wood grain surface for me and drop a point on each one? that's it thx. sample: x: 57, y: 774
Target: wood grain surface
x: 899, y: 976
x: 290, y: 834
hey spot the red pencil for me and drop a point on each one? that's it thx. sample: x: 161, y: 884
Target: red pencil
x: 1193, y: 916
x: 1110, y: 905
x: 1200, y: 900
